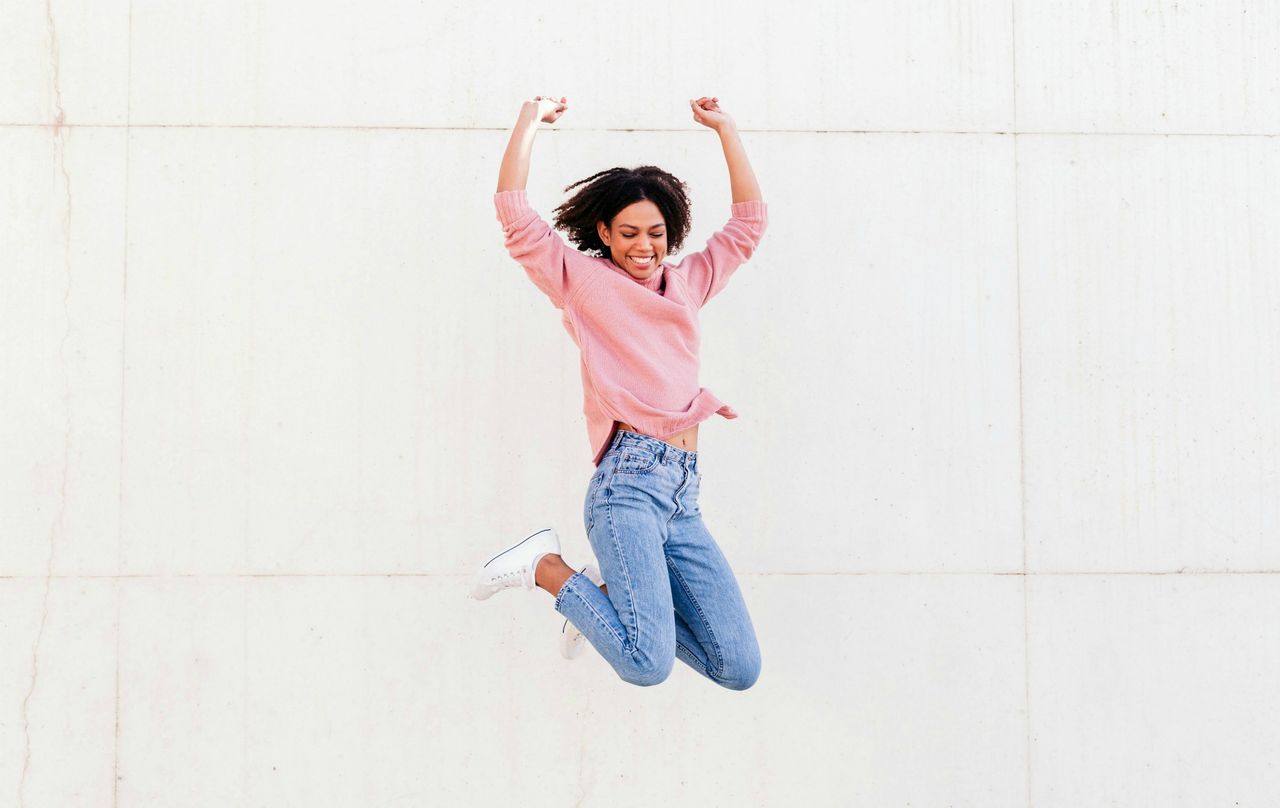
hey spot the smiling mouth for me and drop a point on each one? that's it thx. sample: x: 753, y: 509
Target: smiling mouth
x: 644, y: 263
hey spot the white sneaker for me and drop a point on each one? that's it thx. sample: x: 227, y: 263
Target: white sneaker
x: 572, y: 640
x: 515, y: 565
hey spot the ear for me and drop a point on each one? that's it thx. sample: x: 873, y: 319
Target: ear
x: 604, y: 232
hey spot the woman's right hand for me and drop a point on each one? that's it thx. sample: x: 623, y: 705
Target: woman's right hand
x: 547, y: 109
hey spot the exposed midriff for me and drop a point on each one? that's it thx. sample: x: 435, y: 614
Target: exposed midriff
x: 686, y: 439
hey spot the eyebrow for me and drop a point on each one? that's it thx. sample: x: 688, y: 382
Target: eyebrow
x: 637, y: 227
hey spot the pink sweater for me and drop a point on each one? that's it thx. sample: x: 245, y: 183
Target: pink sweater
x: 638, y: 339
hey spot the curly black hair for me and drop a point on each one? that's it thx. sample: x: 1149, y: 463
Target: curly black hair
x: 606, y: 193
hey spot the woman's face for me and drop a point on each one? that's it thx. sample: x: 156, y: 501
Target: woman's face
x: 638, y: 233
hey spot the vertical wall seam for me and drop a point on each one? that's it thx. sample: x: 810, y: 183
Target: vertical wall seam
x: 1022, y: 451
x: 124, y: 330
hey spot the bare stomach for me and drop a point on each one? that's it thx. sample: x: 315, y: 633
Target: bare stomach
x: 687, y: 439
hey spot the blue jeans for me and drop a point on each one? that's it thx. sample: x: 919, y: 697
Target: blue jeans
x: 671, y: 591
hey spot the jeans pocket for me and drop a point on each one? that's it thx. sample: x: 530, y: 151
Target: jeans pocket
x: 637, y: 460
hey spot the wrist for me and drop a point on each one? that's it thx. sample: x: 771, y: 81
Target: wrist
x: 526, y: 127
x: 528, y: 112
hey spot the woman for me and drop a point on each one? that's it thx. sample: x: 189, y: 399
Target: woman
x: 664, y: 589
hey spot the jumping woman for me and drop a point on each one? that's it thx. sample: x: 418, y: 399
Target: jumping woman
x: 663, y: 588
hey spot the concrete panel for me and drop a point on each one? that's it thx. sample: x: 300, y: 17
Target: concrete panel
x: 57, y: 692
x: 881, y: 690
x: 184, y: 672
x: 1151, y: 317
x: 68, y: 59
x: 62, y: 255
x: 1153, y: 690
x: 825, y: 65
x: 1159, y: 66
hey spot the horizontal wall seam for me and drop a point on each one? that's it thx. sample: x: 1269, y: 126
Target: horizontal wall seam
x: 291, y: 127
x: 1002, y: 574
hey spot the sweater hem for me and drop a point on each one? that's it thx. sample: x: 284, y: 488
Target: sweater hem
x: 725, y: 411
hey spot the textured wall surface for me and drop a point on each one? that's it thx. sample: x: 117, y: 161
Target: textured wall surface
x: 1004, y: 498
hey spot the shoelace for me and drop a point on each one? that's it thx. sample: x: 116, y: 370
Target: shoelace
x: 505, y: 577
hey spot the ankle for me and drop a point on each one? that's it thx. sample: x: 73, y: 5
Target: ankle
x: 546, y: 566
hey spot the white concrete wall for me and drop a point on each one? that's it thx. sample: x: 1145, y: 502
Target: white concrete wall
x: 1003, y: 495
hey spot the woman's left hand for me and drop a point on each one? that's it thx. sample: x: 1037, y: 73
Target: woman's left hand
x: 706, y: 111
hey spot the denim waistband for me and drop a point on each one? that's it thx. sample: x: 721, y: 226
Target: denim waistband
x: 665, y: 452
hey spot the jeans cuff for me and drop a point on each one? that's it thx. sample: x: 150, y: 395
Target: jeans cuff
x: 568, y: 582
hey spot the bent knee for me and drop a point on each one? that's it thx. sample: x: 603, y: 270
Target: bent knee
x: 742, y: 673
x: 646, y: 671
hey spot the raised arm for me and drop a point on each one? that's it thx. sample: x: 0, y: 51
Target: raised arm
x: 742, y: 180
x: 707, y: 271
x: 544, y: 255
x: 514, y: 174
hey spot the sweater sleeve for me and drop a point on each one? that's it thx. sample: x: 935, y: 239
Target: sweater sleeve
x: 536, y: 247
x: 708, y: 271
